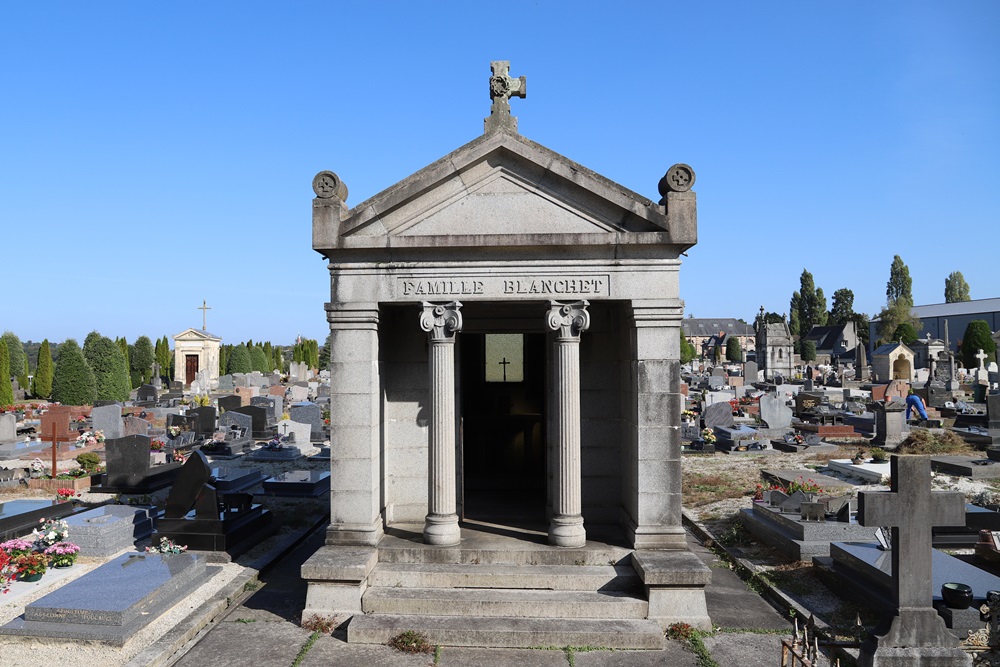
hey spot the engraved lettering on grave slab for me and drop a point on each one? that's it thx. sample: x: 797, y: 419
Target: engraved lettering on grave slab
x: 509, y: 286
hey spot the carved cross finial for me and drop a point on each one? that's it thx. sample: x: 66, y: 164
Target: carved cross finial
x: 502, y: 88
x: 204, y: 308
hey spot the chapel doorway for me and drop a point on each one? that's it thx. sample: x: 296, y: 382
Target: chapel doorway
x: 503, y: 456
x: 190, y: 368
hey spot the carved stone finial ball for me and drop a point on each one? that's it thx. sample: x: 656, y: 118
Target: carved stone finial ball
x: 679, y: 178
x: 327, y: 185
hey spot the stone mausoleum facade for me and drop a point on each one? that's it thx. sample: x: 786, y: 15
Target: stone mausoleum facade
x: 504, y: 348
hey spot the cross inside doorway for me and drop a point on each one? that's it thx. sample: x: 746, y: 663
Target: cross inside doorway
x: 504, y: 365
x: 204, y: 308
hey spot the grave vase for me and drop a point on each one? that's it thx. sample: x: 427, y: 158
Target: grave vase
x: 30, y: 578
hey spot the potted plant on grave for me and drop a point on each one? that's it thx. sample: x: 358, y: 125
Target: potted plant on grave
x: 859, y: 457
x: 17, y: 547
x: 50, y: 532
x: 708, y: 435
x: 878, y: 455
x: 65, y: 495
x: 31, y: 567
x: 8, y: 571
x: 63, y: 554
x: 166, y: 546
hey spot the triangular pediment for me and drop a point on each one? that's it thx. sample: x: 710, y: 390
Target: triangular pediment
x: 195, y: 334
x: 502, y: 189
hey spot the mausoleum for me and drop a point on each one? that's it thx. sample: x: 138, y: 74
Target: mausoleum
x: 504, y: 351
x: 195, y: 350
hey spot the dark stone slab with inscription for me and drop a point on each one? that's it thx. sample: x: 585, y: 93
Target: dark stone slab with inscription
x: 129, y: 469
x: 258, y: 416
x: 227, y: 403
x: 299, y: 483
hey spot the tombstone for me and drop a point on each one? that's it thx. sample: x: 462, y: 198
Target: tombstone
x: 297, y: 394
x: 185, y: 422
x: 889, y: 424
x: 8, y: 427
x: 108, y: 418
x: 310, y: 413
x: 227, y: 403
x: 774, y: 412
x: 129, y: 470
x: 718, y: 414
x: 204, y: 420
x: 246, y: 393
x: 157, y: 379
x: 275, y: 452
x: 807, y: 402
x: 299, y: 483
x: 258, y: 416
x: 146, y: 393
x: 132, y: 425
x: 106, y: 530
x: 992, y: 414
x: 300, y: 433
x: 911, y: 509
x: 276, y: 390
x: 716, y: 382
x: 58, y: 418
x: 750, y: 373
x: 237, y: 419
x: 225, y: 383
x: 205, y: 518
x: 793, y: 503
x: 271, y: 403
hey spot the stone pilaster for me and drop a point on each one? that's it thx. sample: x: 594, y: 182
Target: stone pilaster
x: 568, y: 320
x: 441, y: 321
x: 355, y: 426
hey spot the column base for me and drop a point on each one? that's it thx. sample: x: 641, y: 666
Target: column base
x: 441, y: 530
x: 567, y: 531
x: 353, y: 535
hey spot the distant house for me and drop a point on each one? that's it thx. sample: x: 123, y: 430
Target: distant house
x: 705, y: 333
x: 834, y: 342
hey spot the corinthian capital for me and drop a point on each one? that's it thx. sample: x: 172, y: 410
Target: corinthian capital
x: 441, y: 320
x: 568, y: 318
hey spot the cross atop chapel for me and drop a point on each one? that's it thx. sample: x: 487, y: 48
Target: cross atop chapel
x: 204, y: 308
x: 502, y: 88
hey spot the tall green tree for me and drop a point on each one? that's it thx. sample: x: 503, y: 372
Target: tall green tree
x: 239, y: 360
x: 905, y: 333
x: 6, y: 388
x: 257, y: 359
x: 73, y: 382
x: 811, y: 304
x: 17, y: 357
x: 165, y: 358
x: 843, y: 307
x: 224, y: 358
x: 808, y: 350
x: 900, y: 285
x: 955, y: 288
x: 278, y: 358
x: 142, y: 357
x: 899, y: 301
x: 111, y: 375
x: 688, y: 350
x: 42, y: 382
x: 977, y: 337
x: 734, y: 351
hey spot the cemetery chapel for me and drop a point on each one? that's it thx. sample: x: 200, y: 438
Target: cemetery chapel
x: 505, y: 335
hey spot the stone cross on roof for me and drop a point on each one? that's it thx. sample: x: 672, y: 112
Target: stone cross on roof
x: 502, y: 88
x: 911, y: 509
x: 204, y: 308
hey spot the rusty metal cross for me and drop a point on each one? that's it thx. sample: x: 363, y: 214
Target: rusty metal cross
x: 56, y: 439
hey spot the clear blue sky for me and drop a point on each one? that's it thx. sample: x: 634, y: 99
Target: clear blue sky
x: 156, y: 154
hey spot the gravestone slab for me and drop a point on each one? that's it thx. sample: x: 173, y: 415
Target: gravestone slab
x: 299, y: 483
x: 717, y: 414
x: 238, y: 419
x: 227, y: 403
x: 8, y: 427
x: 774, y: 412
x: 751, y: 373
x: 258, y: 417
x: 108, y: 418
x: 133, y: 425
x: 204, y: 420
x: 297, y: 394
x: 106, y: 530
x: 300, y: 432
x: 286, y: 453
x: 322, y: 455
x: 225, y: 383
x: 146, y: 394
x: 276, y: 390
x: 129, y: 470
x: 312, y: 414
x: 246, y: 393
x: 966, y: 466
x: 20, y: 517
x: 270, y: 403
x: 144, y: 585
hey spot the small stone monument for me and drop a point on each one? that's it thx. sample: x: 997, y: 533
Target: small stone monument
x: 916, y: 635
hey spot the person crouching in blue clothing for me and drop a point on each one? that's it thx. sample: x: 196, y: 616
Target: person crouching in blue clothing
x: 913, y: 402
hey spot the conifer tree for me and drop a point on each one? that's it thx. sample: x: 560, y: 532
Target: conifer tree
x: 808, y: 350
x: 223, y: 358
x: 977, y: 337
x: 734, y: 351
x: 111, y: 376
x: 239, y: 360
x: 955, y: 288
x: 15, y: 350
x: 141, y: 359
x: 42, y: 382
x: 257, y: 359
x: 6, y: 388
x: 73, y: 382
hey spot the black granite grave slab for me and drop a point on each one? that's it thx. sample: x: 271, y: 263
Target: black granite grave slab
x: 299, y: 483
x: 235, y: 480
x: 258, y: 415
x: 20, y: 517
x: 129, y: 469
x: 227, y: 403
x: 144, y: 587
x: 966, y: 466
x: 204, y: 420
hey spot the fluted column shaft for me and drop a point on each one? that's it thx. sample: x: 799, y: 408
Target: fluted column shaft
x: 441, y: 322
x: 568, y: 320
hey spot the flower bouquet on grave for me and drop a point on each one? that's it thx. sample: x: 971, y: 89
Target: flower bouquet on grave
x: 37, y: 468
x: 63, y: 495
x: 50, y: 532
x: 8, y: 571
x: 708, y: 435
x: 17, y: 547
x: 173, y: 431
x: 31, y: 567
x: 156, y: 445
x: 275, y: 444
x: 166, y: 546
x: 63, y: 554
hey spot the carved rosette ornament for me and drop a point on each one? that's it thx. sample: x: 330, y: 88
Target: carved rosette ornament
x: 679, y: 178
x: 328, y: 185
x: 569, y: 319
x: 441, y: 320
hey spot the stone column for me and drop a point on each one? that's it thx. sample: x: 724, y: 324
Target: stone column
x: 441, y: 321
x: 568, y: 320
x: 355, y: 426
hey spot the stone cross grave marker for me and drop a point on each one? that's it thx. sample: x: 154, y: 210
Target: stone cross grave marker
x: 982, y: 359
x: 911, y: 510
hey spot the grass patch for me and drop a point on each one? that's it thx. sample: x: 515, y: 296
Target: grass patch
x: 305, y: 648
x: 411, y: 641
x: 683, y: 632
x: 324, y: 625
x: 934, y: 441
x: 704, y: 488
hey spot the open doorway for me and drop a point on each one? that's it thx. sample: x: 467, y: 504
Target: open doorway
x: 503, y: 427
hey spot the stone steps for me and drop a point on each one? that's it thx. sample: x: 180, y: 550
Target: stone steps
x: 505, y: 602
x: 529, y: 554
x: 543, y: 577
x: 508, y: 632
